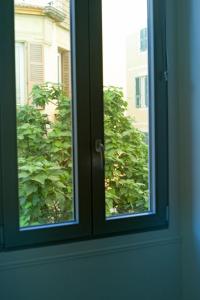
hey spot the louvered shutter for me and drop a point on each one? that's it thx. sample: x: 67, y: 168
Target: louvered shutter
x: 36, y: 65
x: 66, y: 73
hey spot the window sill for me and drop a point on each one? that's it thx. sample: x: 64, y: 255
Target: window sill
x: 42, y: 258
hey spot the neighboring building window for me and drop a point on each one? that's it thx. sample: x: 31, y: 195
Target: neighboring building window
x: 20, y: 72
x: 141, y: 92
x: 143, y: 39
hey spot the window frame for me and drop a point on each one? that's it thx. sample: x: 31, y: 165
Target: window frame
x: 86, y: 61
x: 59, y: 67
x: 22, y: 80
x: 13, y: 237
x: 158, y: 115
x: 141, y: 98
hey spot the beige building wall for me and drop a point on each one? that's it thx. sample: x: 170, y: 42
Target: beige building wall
x: 43, y: 38
x: 137, y: 61
x: 38, y: 31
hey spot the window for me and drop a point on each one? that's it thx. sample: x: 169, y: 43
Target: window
x: 77, y: 164
x: 141, y: 92
x: 143, y: 39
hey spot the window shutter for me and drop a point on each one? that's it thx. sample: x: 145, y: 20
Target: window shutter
x: 138, y: 91
x: 36, y: 65
x: 143, y: 39
x: 146, y: 91
x: 66, y: 72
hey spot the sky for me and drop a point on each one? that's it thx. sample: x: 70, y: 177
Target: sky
x: 120, y: 19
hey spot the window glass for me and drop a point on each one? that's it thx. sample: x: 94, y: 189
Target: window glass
x: 127, y: 168
x: 44, y: 118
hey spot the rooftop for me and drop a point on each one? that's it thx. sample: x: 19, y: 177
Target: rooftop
x: 58, y: 4
x: 55, y: 9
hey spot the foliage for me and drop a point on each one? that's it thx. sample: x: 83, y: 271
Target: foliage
x: 126, y: 158
x: 45, y: 158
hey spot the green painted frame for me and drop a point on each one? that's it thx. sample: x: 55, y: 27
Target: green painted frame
x: 87, y: 86
x: 13, y: 236
x: 158, y: 125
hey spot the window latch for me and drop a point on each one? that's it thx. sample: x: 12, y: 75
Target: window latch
x: 1, y: 236
x: 99, y: 147
x: 165, y: 76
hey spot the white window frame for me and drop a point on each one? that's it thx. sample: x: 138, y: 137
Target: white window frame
x: 20, y: 73
x: 142, y: 92
x: 59, y: 67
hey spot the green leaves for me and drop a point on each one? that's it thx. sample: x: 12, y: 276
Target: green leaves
x: 45, y: 158
x: 43, y: 94
x: 126, y: 158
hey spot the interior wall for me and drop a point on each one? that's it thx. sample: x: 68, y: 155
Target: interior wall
x: 142, y: 272
x: 189, y: 111
x: 142, y: 266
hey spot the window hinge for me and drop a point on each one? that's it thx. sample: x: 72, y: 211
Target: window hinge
x: 167, y: 213
x: 99, y: 147
x: 1, y: 236
x: 165, y: 76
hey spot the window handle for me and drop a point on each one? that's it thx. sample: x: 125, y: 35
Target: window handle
x: 99, y: 147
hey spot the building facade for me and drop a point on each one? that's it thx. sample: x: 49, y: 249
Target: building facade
x: 42, y: 51
x: 137, y: 78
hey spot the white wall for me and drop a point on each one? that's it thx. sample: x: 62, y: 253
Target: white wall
x: 141, y: 267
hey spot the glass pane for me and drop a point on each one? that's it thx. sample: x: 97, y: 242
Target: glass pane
x: 44, y: 112
x: 126, y: 112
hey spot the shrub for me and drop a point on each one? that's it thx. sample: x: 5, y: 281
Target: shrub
x: 45, y: 158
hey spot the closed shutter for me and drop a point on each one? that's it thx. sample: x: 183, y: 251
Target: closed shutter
x: 146, y: 91
x: 143, y: 39
x: 36, y: 65
x: 138, y: 91
x: 66, y: 73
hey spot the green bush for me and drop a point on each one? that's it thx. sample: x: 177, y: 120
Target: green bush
x: 126, y: 158
x: 45, y: 158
